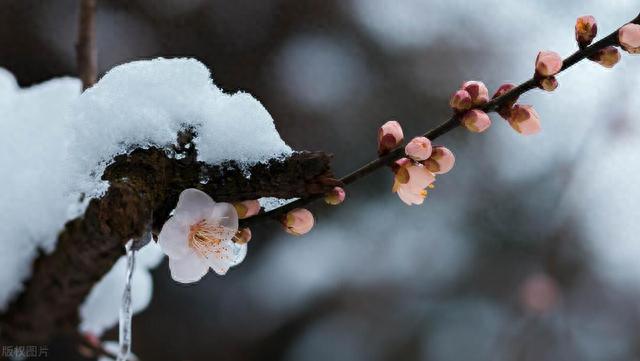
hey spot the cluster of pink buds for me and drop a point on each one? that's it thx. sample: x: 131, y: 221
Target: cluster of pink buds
x: 466, y: 102
x: 296, y: 222
x: 548, y: 64
x: 628, y: 39
x: 586, y: 31
x: 522, y: 118
x: 417, y: 171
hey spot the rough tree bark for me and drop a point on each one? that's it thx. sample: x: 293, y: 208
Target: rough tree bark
x: 144, y: 188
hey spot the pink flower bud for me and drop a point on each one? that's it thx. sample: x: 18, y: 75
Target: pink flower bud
x: 548, y: 63
x: 335, y: 196
x: 629, y: 38
x: 586, y: 30
x: 247, y: 209
x: 441, y: 160
x: 460, y: 101
x: 389, y: 136
x: 505, y: 109
x: 478, y: 92
x: 524, y: 119
x: 298, y: 221
x: 476, y: 120
x: 419, y: 148
x: 549, y: 84
x: 243, y: 236
x: 607, y: 57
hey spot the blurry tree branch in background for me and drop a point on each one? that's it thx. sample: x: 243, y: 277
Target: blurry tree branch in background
x: 86, y: 51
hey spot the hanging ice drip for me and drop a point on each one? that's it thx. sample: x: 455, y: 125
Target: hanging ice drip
x: 124, y: 336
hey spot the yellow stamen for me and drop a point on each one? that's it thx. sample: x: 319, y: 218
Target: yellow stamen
x: 204, y: 237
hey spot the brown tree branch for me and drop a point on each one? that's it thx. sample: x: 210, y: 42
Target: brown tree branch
x: 86, y: 53
x: 452, y: 123
x: 144, y: 188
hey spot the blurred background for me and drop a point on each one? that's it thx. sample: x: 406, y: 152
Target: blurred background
x: 527, y: 250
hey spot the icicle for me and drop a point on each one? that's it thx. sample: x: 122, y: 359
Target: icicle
x: 125, y: 308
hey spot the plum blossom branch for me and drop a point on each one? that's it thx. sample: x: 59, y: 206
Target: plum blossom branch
x: 145, y: 186
x: 510, y: 96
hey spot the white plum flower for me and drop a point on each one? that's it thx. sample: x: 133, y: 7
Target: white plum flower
x: 200, y: 235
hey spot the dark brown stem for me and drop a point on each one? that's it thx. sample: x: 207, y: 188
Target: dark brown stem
x: 86, y: 53
x: 450, y: 124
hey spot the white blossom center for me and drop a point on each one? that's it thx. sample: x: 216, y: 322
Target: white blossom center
x: 204, y: 237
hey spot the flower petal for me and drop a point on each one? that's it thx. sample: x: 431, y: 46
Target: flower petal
x: 409, y: 196
x: 419, y: 177
x: 189, y: 268
x: 224, y: 214
x: 173, y: 238
x: 193, y: 206
x: 226, y: 255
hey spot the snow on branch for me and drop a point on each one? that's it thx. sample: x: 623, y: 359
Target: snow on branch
x: 144, y: 187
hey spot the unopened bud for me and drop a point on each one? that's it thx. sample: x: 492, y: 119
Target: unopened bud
x: 247, y: 209
x: 586, y: 30
x: 524, y: 119
x: 607, y: 57
x: 476, y: 120
x: 298, y: 221
x: 335, y: 196
x: 460, y: 101
x: 419, y: 148
x: 478, y: 92
x: 548, y: 63
x: 505, y: 109
x: 629, y: 38
x: 389, y: 136
x: 549, y: 84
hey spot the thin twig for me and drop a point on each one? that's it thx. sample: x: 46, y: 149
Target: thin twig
x: 449, y: 125
x: 86, y: 53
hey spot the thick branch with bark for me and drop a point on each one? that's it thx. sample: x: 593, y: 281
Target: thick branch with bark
x: 144, y: 188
